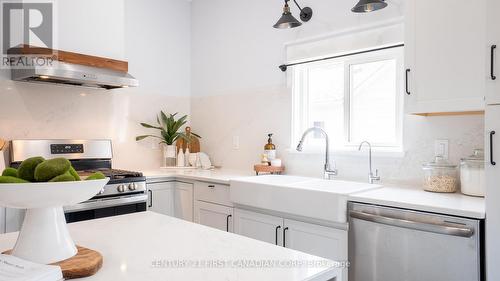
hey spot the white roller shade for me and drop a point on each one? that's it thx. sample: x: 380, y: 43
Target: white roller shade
x: 347, y: 41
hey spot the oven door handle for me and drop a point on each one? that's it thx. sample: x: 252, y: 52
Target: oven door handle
x: 439, y: 228
x: 104, y: 203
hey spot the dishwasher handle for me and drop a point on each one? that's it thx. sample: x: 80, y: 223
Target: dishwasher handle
x: 444, y: 228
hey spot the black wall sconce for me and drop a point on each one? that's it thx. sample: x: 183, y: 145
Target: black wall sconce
x: 287, y: 20
x: 366, y: 6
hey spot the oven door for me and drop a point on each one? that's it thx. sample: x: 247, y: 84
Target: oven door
x: 106, y: 207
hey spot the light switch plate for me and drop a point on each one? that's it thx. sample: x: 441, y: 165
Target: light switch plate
x: 441, y: 148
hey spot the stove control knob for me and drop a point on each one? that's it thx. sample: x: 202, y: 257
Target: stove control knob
x: 121, y: 188
x: 132, y: 186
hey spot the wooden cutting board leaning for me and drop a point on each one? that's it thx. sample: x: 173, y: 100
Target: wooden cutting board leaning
x: 194, y: 144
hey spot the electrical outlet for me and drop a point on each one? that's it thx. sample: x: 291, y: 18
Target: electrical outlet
x: 441, y: 148
x: 236, y: 142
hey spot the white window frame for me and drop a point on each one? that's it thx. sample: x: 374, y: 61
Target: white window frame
x: 300, y: 102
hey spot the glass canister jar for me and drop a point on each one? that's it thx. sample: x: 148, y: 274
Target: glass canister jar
x: 440, y: 176
x: 472, y: 174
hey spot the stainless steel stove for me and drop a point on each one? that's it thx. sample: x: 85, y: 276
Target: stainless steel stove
x: 125, y: 192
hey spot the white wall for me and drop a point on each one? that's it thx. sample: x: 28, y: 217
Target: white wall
x: 238, y: 90
x: 141, y: 31
x: 91, y: 27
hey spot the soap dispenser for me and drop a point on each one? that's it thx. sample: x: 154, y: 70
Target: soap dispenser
x: 270, y: 149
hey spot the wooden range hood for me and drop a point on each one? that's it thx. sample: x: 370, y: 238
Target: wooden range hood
x: 62, y: 67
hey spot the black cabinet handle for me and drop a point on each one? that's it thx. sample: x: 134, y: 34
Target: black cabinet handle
x: 492, y: 69
x: 227, y: 222
x: 492, y: 162
x: 406, y: 81
x: 276, y: 235
x: 150, y: 198
x: 284, y: 236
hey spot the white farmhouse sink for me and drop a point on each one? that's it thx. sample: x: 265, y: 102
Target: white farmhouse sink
x: 302, y: 196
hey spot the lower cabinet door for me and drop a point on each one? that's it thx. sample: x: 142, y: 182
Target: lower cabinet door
x: 325, y: 242
x: 258, y: 226
x: 171, y: 198
x: 183, y: 201
x: 161, y: 198
x: 214, y: 215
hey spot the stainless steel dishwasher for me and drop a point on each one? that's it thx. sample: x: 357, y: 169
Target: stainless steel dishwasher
x: 391, y: 244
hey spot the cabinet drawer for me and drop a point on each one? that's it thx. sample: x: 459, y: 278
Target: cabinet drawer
x: 212, y: 192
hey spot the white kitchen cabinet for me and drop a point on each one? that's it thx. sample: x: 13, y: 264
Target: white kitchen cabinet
x: 445, y: 55
x: 258, y: 226
x: 171, y: 198
x: 212, y: 192
x: 183, y: 201
x: 214, y: 215
x: 326, y: 242
x: 161, y: 198
x: 493, y: 49
x: 492, y: 172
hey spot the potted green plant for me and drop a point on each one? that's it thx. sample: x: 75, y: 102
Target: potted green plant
x: 170, y: 132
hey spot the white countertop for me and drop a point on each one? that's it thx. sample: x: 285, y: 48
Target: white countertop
x: 214, y: 175
x: 135, y: 246
x: 402, y: 197
x: 455, y: 204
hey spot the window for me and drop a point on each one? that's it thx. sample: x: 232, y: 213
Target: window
x: 353, y: 98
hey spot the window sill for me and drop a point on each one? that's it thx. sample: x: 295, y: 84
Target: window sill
x: 376, y: 152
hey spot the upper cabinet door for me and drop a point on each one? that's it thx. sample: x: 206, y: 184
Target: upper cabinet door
x: 445, y: 55
x: 493, y: 52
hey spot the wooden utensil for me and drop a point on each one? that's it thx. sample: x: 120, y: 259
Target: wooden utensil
x: 194, y: 144
x: 2, y: 144
x: 85, y: 263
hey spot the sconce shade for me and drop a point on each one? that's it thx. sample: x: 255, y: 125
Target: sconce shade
x: 366, y: 6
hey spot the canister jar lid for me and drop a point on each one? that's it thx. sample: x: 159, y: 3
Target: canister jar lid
x: 439, y: 162
x: 477, y: 157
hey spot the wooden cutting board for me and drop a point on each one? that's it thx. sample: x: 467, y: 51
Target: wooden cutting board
x: 194, y: 145
x: 85, y: 263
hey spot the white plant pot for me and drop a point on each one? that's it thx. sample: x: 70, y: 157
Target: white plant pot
x: 44, y: 237
x: 170, y: 151
x: 170, y: 155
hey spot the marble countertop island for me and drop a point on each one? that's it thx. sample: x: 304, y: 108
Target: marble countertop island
x: 150, y: 246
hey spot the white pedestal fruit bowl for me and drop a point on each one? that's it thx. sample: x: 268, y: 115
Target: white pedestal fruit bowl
x: 44, y: 237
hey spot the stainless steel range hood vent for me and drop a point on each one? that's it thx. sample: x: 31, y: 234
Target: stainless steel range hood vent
x: 74, y: 69
x: 76, y: 75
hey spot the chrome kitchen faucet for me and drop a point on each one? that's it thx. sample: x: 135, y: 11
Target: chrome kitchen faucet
x: 371, y: 177
x: 328, y: 172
